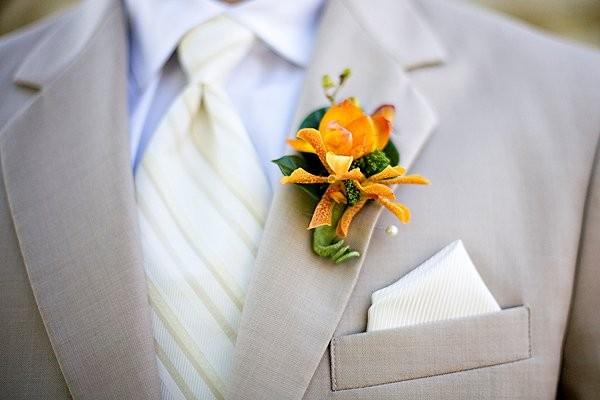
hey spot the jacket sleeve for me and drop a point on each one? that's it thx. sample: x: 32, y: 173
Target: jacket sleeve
x: 580, y: 375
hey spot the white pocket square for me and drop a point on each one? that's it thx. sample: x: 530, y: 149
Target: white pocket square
x: 445, y: 286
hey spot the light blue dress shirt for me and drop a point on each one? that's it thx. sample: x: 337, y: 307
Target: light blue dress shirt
x: 264, y: 87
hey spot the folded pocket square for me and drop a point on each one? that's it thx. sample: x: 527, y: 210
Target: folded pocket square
x: 445, y: 286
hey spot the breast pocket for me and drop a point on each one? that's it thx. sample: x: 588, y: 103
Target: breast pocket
x: 426, y: 350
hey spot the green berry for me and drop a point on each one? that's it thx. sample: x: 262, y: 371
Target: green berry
x: 372, y: 163
x: 352, y: 192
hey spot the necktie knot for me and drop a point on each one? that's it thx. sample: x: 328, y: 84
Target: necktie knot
x: 211, y: 50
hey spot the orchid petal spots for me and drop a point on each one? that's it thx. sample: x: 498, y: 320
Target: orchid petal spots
x: 377, y: 190
x: 406, y: 180
x: 323, y: 211
x: 301, y: 145
x: 398, y: 209
x: 301, y: 176
x: 339, y: 164
x: 354, y: 175
x: 314, y: 138
x: 389, y: 172
x: 348, y: 216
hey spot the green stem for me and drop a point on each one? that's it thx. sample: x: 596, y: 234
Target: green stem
x: 327, y: 244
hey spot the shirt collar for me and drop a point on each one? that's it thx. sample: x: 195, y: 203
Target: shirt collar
x: 157, y: 26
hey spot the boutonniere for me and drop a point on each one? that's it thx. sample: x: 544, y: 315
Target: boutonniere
x: 346, y: 160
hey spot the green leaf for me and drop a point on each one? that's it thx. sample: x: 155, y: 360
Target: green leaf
x: 392, y: 153
x: 327, y: 244
x: 287, y: 165
x: 313, y: 119
x: 314, y: 191
x: 314, y: 165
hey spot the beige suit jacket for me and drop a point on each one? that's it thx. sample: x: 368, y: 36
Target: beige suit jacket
x: 509, y: 139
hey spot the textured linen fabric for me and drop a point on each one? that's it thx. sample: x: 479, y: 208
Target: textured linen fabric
x: 202, y: 200
x: 429, y: 349
x: 445, y: 286
x: 81, y: 252
x: 581, y: 364
x: 513, y: 161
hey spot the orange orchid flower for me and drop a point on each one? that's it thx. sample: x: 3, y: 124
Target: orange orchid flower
x: 338, y: 167
x: 377, y: 188
x: 346, y: 130
x: 336, y: 147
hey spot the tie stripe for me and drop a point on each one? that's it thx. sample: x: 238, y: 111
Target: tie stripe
x: 154, y: 171
x: 189, y: 278
x: 179, y: 385
x: 202, y: 201
x: 185, y: 342
x: 209, y: 261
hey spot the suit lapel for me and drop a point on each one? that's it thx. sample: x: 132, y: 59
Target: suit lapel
x: 68, y: 179
x: 296, y: 299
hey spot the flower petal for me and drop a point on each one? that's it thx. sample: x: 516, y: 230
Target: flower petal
x: 314, y: 138
x: 364, y: 136
x: 338, y: 139
x: 386, y: 111
x: 377, y: 190
x: 383, y: 118
x: 398, y: 209
x: 339, y: 164
x: 406, y: 180
x: 339, y: 197
x: 354, y: 175
x: 388, y: 172
x: 302, y: 176
x: 383, y: 131
x: 300, y: 145
x: 348, y: 216
x: 343, y: 113
x: 323, y: 211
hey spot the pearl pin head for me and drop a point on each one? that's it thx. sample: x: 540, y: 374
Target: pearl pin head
x: 391, y: 230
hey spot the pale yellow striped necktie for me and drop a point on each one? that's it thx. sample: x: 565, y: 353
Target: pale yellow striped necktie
x: 202, y: 201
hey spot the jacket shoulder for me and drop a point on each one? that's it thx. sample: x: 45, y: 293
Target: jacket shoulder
x: 487, y: 36
x: 468, y: 26
x: 501, y: 52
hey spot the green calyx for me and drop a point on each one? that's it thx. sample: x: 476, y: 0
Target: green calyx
x: 372, y: 163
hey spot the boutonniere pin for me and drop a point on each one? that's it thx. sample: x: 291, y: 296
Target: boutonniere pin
x: 346, y: 160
